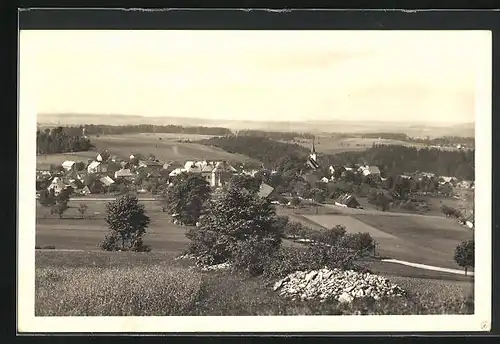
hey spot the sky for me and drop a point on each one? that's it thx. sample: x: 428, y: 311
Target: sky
x: 425, y: 76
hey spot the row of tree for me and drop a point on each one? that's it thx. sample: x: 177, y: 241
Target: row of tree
x: 275, y: 135
x: 57, y: 140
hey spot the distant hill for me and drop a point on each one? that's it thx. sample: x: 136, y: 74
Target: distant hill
x: 316, y: 127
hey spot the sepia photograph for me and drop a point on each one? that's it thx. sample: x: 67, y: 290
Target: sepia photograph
x: 173, y: 180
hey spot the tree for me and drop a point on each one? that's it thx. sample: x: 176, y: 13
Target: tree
x: 47, y: 198
x: 186, y: 196
x: 82, y: 209
x: 59, y: 208
x: 80, y: 166
x: 318, y: 195
x: 295, y: 201
x: 247, y: 182
x: 379, y: 199
x: 464, y: 254
x: 127, y: 221
x: 237, y: 226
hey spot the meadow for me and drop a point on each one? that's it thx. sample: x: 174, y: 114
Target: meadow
x: 164, y: 147
x: 154, y: 284
x: 44, y: 161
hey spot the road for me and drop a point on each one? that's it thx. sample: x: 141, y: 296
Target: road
x: 108, y: 199
x: 354, y: 211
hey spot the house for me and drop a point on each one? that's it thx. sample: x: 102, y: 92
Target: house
x: 206, y: 173
x: 150, y: 164
x: 99, y: 158
x: 265, y: 190
x: 107, y: 181
x: 369, y: 170
x: 68, y: 165
x: 348, y: 201
x: 447, y: 180
x: 57, y: 185
x: 84, y: 191
x: 324, y: 180
x: 221, y: 173
x: 176, y: 172
x: 96, y: 167
x: 331, y: 169
x: 124, y: 173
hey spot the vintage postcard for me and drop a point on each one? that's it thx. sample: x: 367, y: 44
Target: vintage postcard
x: 254, y: 181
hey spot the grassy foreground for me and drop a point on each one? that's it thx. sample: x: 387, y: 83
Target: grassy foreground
x: 153, y: 284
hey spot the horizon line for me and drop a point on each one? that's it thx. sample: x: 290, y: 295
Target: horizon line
x: 260, y: 121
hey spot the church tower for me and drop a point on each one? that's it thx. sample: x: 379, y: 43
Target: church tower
x: 312, y: 161
x: 313, y: 155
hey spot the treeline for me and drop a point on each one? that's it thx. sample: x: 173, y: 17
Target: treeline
x: 387, y: 136
x: 57, y: 140
x: 445, y: 140
x: 275, y: 135
x: 98, y: 129
x: 266, y: 150
x: 393, y: 160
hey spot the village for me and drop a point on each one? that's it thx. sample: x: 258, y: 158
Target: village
x: 110, y: 175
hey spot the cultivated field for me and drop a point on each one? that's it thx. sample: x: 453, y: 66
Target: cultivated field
x: 166, y: 149
x: 44, y: 161
x: 417, y: 239
x: 332, y: 145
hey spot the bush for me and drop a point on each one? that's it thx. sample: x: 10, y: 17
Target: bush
x: 360, y: 242
x: 290, y: 259
x: 252, y: 255
x: 331, y: 236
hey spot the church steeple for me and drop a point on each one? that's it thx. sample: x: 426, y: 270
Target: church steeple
x: 313, y: 150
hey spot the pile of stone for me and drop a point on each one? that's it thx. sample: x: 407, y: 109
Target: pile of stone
x: 344, y: 286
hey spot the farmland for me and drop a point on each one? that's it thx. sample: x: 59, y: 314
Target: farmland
x: 166, y: 149
x: 419, y: 239
x: 44, y: 161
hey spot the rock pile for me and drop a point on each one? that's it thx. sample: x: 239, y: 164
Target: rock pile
x: 343, y: 286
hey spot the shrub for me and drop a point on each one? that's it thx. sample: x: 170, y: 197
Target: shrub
x: 359, y: 242
x: 332, y: 235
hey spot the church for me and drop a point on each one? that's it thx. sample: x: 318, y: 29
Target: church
x: 312, y: 160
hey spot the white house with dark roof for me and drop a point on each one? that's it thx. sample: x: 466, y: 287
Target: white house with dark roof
x: 96, y: 167
x: 57, y: 185
x: 68, y: 165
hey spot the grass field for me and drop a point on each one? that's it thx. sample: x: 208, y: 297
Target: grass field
x: 166, y: 149
x: 417, y: 239
x: 125, y: 283
x: 44, y: 161
x: 332, y: 145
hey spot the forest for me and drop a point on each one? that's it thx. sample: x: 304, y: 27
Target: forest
x: 391, y: 159
x: 275, y: 135
x: 266, y: 150
x: 57, y: 140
